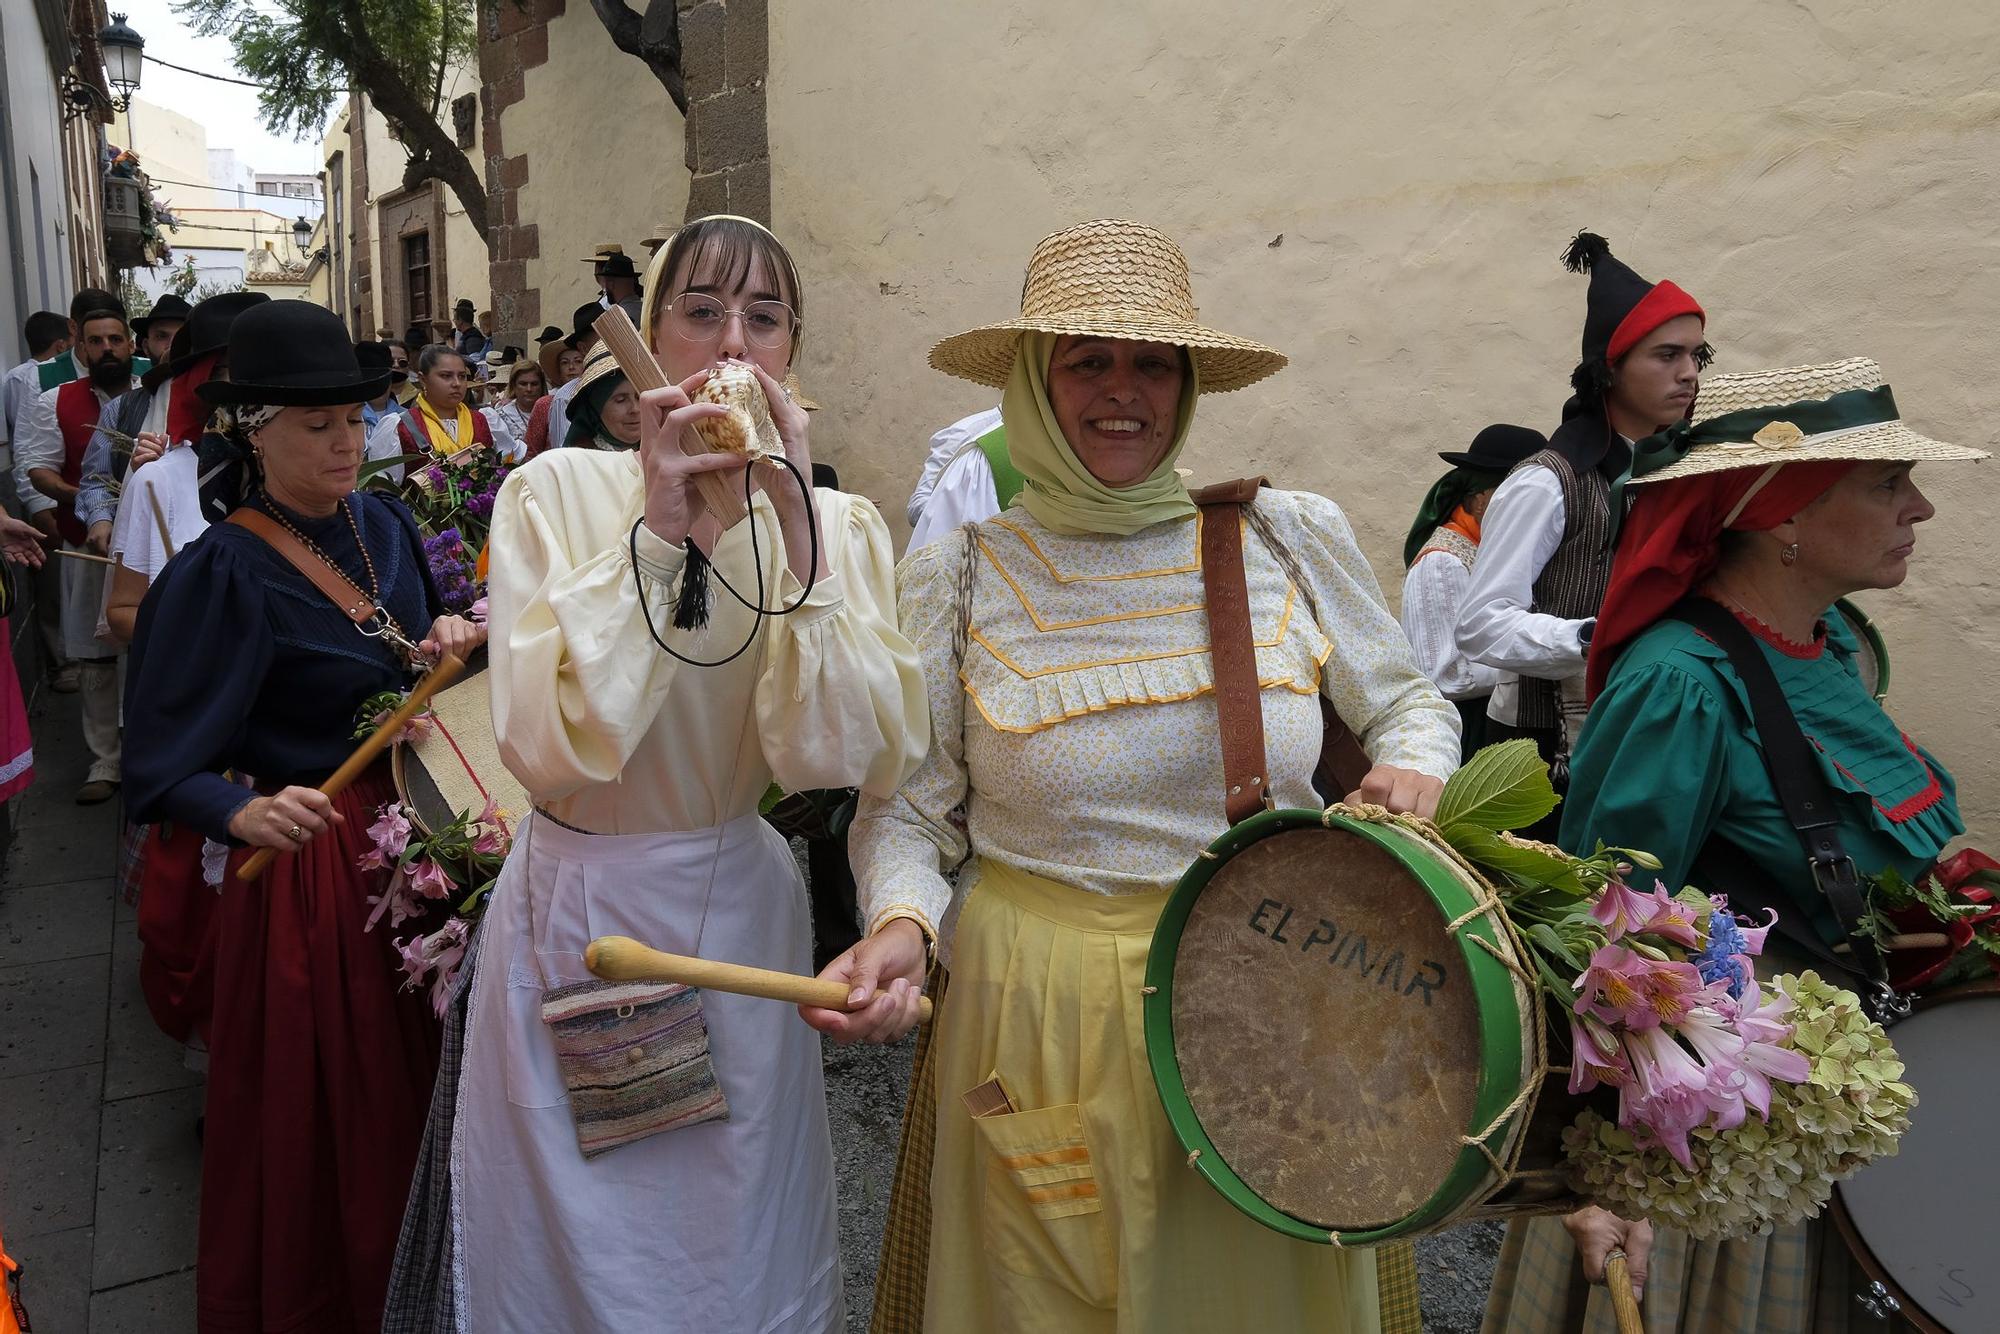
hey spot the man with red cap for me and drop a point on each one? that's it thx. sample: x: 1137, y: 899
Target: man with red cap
x: 1545, y: 546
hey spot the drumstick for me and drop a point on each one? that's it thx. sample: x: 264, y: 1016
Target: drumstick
x: 1624, y: 1302
x: 85, y: 555
x: 615, y: 327
x: 160, y: 518
x: 622, y: 959
x: 364, y: 754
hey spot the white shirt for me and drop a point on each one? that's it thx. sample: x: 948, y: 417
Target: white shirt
x: 171, y: 481
x: 1518, y: 534
x: 559, y: 412
x: 38, y: 443
x: 383, y: 443
x: 1433, y: 592
x: 946, y: 446
x: 965, y: 493
x: 16, y: 388
x: 510, y: 430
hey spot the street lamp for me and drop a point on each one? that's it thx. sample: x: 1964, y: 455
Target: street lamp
x: 302, y: 233
x: 124, y: 53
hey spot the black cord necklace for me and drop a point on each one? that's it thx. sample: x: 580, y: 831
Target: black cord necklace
x: 758, y: 609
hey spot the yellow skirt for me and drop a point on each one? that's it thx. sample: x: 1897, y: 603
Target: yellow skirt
x: 1077, y: 1211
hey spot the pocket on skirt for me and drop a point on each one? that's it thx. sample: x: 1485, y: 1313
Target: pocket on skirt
x: 1044, y: 1216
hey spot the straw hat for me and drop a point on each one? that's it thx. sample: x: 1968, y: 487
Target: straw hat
x: 600, y: 364
x: 1109, y: 279
x: 1748, y: 421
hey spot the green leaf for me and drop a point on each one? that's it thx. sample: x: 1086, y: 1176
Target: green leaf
x: 376, y: 467
x: 1502, y: 787
x: 1522, y: 865
x: 1545, y: 936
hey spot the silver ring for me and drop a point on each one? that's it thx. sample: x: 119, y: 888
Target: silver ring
x: 296, y: 833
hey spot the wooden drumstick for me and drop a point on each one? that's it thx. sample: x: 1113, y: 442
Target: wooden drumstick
x: 622, y: 959
x: 1624, y: 1302
x: 90, y: 556
x: 721, y: 495
x: 364, y: 754
x: 160, y: 520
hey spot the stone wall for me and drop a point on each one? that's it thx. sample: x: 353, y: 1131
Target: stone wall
x: 725, y: 51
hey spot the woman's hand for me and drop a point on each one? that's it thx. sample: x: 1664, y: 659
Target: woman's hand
x: 453, y: 635
x: 147, y: 446
x: 673, y: 503
x: 1401, y: 790
x: 21, y: 542
x: 269, y: 822
x: 794, y: 423
x: 884, y: 975
x: 1597, y: 1232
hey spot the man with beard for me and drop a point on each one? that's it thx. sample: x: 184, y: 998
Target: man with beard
x: 61, y: 369
x: 1546, y: 538
x: 55, y: 433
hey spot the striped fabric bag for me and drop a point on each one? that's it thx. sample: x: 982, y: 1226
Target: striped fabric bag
x: 634, y: 1056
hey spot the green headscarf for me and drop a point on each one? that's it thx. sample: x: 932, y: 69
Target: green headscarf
x: 1441, y: 501
x: 586, y: 414
x: 1061, y: 493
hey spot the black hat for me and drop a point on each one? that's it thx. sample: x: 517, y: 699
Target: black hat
x: 293, y: 354
x: 580, y: 321
x: 372, y: 356
x: 1498, y: 448
x: 465, y: 308
x: 168, y: 307
x: 206, y: 331
x: 548, y: 334
x: 1621, y: 307
x: 611, y: 261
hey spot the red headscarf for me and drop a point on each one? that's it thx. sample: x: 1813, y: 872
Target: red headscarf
x: 187, y: 413
x: 1672, y: 539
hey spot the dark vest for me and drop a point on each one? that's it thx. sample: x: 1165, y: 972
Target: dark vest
x: 1572, y: 584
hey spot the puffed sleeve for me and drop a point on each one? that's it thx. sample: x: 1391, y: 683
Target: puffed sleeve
x: 841, y: 701
x: 1371, y: 677
x: 573, y: 693
x: 186, y: 704
x: 898, y: 844
x: 1651, y: 768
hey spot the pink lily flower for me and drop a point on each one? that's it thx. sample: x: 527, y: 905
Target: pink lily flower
x: 1767, y: 1055
x: 1595, y: 1057
x: 1669, y: 1094
x: 1721, y: 1048
x: 428, y: 879
x: 1620, y: 909
x: 390, y: 832
x: 1671, y: 919
x: 1628, y: 990
x: 1753, y: 936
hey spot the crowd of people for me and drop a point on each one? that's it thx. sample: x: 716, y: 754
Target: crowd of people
x: 1026, y: 709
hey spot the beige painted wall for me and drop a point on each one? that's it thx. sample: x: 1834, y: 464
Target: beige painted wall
x: 603, y: 143
x: 1821, y: 176
x: 171, y: 147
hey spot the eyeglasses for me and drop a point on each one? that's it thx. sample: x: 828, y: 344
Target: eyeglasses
x: 700, y: 319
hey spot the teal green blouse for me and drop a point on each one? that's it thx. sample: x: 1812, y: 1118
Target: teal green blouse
x: 1668, y: 759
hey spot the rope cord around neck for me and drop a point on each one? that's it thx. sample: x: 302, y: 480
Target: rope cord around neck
x: 758, y: 609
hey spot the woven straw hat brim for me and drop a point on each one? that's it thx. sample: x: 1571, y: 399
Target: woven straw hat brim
x: 1224, y: 361
x: 1889, y: 442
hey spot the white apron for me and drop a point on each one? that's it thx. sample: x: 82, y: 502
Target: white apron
x: 83, y: 584
x: 712, y: 1229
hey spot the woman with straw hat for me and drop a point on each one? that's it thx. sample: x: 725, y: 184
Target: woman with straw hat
x: 604, y: 413
x: 1074, y: 722
x: 1788, y: 490
x: 695, y: 1192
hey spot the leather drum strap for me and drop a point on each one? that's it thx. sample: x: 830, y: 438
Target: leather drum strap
x: 354, y: 604
x: 1239, y: 704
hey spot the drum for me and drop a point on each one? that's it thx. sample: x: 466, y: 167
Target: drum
x: 1919, y: 1224
x: 1873, y: 660
x: 1340, y: 1037
x: 455, y: 768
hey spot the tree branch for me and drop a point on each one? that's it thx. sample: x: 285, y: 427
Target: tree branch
x: 662, y: 54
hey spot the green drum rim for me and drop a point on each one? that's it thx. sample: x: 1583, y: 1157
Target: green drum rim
x: 1501, y: 1026
x: 1858, y: 621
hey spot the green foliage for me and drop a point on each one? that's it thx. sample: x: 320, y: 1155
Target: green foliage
x: 308, y: 53
x: 1502, y: 787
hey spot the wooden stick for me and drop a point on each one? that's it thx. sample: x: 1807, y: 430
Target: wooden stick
x: 1624, y: 1302
x: 622, y: 959
x: 91, y: 556
x: 160, y: 519
x: 364, y: 754
x: 1918, y: 940
x: 723, y: 496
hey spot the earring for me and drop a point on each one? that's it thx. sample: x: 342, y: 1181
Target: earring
x: 1789, y: 553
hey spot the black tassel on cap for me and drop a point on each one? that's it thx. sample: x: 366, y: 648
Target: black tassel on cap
x: 691, y: 604
x: 1584, y: 251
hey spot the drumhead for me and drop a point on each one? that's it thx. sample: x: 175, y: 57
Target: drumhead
x: 1321, y: 1041
x: 1921, y: 1218
x: 456, y: 767
x: 1873, y: 659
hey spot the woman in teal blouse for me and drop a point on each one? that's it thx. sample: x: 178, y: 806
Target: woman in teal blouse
x: 1787, y: 491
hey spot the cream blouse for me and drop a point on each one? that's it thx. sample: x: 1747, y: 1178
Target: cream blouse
x: 614, y: 736
x: 1080, y: 730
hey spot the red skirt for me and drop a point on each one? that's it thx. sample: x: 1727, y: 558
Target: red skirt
x: 319, y: 1081
x: 17, y: 746
x: 176, y: 932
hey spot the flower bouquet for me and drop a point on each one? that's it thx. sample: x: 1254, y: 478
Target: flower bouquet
x: 1738, y: 1104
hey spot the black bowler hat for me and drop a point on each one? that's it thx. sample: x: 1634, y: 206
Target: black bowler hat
x: 168, y: 307
x: 548, y: 334
x: 1498, y: 448
x: 373, y: 357
x: 206, y: 331
x: 580, y: 321
x: 293, y: 354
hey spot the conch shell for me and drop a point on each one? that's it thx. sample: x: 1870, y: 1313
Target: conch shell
x: 748, y: 428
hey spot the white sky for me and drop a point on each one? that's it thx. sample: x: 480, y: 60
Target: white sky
x: 228, y: 111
